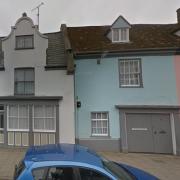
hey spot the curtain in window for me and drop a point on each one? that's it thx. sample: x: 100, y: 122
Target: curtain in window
x: 18, y: 117
x: 23, y: 42
x: 24, y: 81
x: 99, y: 124
x: 44, y: 117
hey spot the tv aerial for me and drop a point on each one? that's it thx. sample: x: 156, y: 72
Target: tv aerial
x: 37, y: 8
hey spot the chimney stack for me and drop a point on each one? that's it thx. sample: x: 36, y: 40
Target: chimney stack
x: 178, y: 16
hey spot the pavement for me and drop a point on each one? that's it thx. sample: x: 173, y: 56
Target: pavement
x: 166, y: 167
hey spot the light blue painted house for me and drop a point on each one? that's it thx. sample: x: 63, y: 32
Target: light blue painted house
x: 125, y: 86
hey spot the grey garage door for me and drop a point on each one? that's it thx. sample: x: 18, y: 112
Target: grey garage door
x: 149, y: 133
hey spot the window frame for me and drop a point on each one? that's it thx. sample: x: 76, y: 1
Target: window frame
x: 44, y: 130
x: 97, y: 134
x: 23, y: 36
x: 140, y: 80
x: 15, y: 82
x: 120, y: 35
x: 28, y: 117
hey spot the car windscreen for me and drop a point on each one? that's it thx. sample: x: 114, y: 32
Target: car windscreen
x: 19, y: 169
x: 117, y: 170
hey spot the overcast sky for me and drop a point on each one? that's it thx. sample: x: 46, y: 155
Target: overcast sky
x: 86, y: 12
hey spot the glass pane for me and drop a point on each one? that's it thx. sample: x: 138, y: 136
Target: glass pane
x: 1, y: 107
x: 98, y: 115
x: 20, y: 42
x: 19, y: 75
x: 59, y: 173
x: 123, y: 34
x: 29, y: 88
x: 38, y: 111
x: 115, y: 34
x: 126, y: 66
x: 49, y: 124
x: 28, y: 41
x: 13, y: 123
x: 23, y: 123
x: 104, y: 130
x: 39, y: 173
x: 86, y: 173
x: 38, y: 123
x: 104, y: 115
x: 29, y: 75
x: 93, y: 124
x: 104, y: 124
x: 19, y: 88
x: 136, y: 67
x: 93, y: 115
x: 13, y: 110
x: 98, y: 123
x: 23, y: 110
x: 1, y: 121
x: 49, y: 110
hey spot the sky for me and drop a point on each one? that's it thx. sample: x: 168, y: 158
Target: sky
x: 87, y: 12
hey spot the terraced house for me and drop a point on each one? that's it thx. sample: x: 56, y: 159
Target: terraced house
x: 36, y: 87
x: 127, y: 86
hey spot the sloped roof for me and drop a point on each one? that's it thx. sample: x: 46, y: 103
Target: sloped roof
x: 56, y: 50
x: 93, y: 39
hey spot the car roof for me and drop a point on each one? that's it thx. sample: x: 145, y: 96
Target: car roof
x: 63, y: 152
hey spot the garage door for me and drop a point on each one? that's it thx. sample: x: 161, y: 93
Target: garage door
x: 149, y: 133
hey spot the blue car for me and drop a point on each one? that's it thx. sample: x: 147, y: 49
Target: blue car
x: 73, y: 162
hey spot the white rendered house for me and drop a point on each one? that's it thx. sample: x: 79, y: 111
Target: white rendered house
x: 36, y: 87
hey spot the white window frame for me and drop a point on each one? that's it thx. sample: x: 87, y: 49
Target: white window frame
x: 20, y: 130
x: 139, y: 73
x: 44, y: 130
x: 120, y: 35
x: 107, y: 120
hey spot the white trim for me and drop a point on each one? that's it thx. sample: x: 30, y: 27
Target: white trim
x: 18, y: 130
x: 173, y: 133
x: 120, y: 35
x: 44, y: 131
x: 102, y: 127
x: 130, y: 80
x: 139, y: 129
x: 99, y: 134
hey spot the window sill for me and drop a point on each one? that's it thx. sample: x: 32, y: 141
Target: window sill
x: 100, y: 136
x: 24, y: 48
x: 130, y: 86
x: 25, y: 95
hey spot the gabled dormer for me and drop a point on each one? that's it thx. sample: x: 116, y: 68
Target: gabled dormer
x: 119, y: 32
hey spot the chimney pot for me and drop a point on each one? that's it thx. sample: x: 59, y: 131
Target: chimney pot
x: 178, y: 16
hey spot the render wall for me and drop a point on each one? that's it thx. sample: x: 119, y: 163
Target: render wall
x: 97, y: 87
x: 47, y: 83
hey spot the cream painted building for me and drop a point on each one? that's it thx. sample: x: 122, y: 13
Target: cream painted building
x: 36, y: 87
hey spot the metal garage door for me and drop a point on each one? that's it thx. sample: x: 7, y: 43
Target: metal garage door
x: 149, y: 133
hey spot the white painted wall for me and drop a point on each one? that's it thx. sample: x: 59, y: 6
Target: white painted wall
x: 47, y: 83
